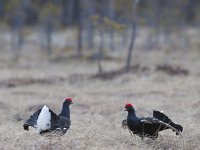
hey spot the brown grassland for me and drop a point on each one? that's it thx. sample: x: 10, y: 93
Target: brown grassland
x: 98, y: 107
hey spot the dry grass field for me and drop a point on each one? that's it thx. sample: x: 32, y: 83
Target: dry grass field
x: 98, y: 107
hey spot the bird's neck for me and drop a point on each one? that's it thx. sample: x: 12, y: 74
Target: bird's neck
x: 65, y: 111
x: 131, y: 114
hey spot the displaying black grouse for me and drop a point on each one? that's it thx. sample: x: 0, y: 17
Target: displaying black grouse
x: 148, y: 126
x: 48, y: 123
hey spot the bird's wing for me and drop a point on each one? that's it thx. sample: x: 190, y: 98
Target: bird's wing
x: 32, y: 121
x: 151, y: 120
x: 54, y: 120
x: 64, y: 123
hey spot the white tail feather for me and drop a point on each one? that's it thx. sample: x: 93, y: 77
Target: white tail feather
x: 44, y: 119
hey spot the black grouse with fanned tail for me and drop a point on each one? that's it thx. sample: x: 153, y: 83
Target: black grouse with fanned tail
x: 148, y: 126
x: 48, y: 123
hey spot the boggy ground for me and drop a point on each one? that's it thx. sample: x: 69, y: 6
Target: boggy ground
x: 98, y: 107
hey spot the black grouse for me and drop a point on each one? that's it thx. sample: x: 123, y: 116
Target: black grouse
x: 48, y: 123
x: 148, y: 126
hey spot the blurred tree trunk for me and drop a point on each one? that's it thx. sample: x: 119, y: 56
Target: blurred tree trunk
x: 189, y: 10
x: 89, y: 26
x: 111, y: 15
x: 90, y: 36
x: 80, y: 30
x: 153, y: 38
x: 68, y: 7
x: 100, y: 53
x: 48, y: 31
x: 131, y: 46
x: 17, y: 38
x: 2, y: 8
x: 168, y: 27
x: 80, y: 40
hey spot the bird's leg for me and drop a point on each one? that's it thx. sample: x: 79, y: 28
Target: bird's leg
x: 161, y: 136
x: 131, y: 133
x: 124, y: 124
x: 142, y: 137
x: 143, y: 131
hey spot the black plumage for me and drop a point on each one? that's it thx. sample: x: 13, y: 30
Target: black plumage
x: 149, y: 126
x: 58, y: 124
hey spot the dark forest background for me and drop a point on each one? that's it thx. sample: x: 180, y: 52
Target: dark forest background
x: 98, y: 26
